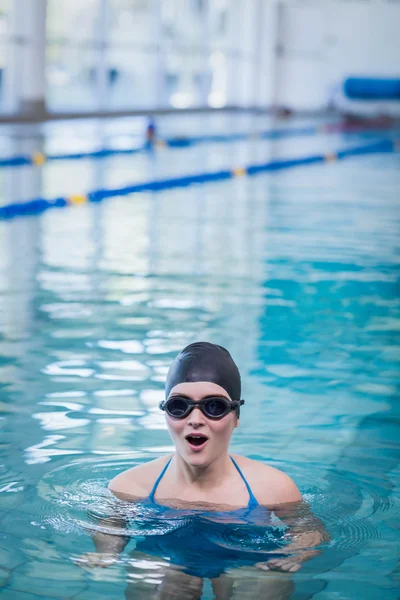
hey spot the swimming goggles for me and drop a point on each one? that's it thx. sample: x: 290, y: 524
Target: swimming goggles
x: 213, y: 407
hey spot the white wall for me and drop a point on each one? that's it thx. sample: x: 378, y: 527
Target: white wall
x: 300, y: 75
x: 266, y: 36
x: 323, y: 42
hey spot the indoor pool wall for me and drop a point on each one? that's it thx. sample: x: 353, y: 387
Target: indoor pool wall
x: 295, y: 272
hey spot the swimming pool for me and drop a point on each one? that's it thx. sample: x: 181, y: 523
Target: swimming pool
x: 295, y: 272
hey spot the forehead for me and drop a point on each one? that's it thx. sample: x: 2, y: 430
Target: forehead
x: 199, y: 389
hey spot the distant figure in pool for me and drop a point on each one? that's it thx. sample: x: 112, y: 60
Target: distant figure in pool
x: 202, y: 407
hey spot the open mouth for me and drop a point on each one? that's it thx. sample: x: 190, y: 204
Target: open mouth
x: 196, y: 440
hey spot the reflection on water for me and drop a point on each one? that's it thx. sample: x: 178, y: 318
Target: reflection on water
x: 296, y: 273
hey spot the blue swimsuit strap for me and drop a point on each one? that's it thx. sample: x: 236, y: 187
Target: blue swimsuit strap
x: 155, y: 486
x: 252, y: 499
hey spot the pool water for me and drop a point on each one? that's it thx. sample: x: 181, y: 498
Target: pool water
x: 295, y: 272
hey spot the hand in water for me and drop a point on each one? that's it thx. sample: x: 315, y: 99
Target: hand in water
x: 96, y: 559
x: 285, y: 565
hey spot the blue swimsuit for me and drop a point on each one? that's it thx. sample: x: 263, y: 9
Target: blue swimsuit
x: 206, y: 543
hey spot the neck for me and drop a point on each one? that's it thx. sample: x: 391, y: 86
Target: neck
x: 203, y: 476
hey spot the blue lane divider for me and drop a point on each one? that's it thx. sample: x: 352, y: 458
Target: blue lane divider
x: 16, y: 161
x: 39, y: 205
x: 39, y: 158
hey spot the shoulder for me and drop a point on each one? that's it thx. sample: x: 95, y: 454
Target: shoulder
x: 138, y: 481
x: 269, y: 485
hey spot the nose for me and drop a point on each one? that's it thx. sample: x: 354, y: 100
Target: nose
x: 196, y: 418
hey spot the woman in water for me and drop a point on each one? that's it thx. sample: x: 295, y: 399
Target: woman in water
x: 202, y: 408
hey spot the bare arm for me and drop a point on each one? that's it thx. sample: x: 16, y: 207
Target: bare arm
x: 110, y: 535
x: 113, y: 543
x: 307, y: 532
x: 108, y: 542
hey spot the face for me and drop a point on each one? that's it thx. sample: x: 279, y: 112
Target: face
x: 217, y: 432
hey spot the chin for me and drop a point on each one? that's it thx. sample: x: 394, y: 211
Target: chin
x: 196, y: 460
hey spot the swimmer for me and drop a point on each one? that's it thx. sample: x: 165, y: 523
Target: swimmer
x: 151, y: 133
x: 202, y: 409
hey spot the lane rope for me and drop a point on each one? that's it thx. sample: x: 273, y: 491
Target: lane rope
x: 39, y: 158
x: 39, y: 205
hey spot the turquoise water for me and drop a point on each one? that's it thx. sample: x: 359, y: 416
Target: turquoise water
x: 295, y: 272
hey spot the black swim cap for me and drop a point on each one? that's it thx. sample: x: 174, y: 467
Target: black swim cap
x: 203, y: 361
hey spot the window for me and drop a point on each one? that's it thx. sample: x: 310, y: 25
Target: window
x: 72, y: 54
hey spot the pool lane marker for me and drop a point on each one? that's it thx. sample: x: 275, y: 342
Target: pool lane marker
x: 331, y: 157
x: 39, y: 205
x: 39, y: 158
x: 77, y: 199
x: 239, y: 172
